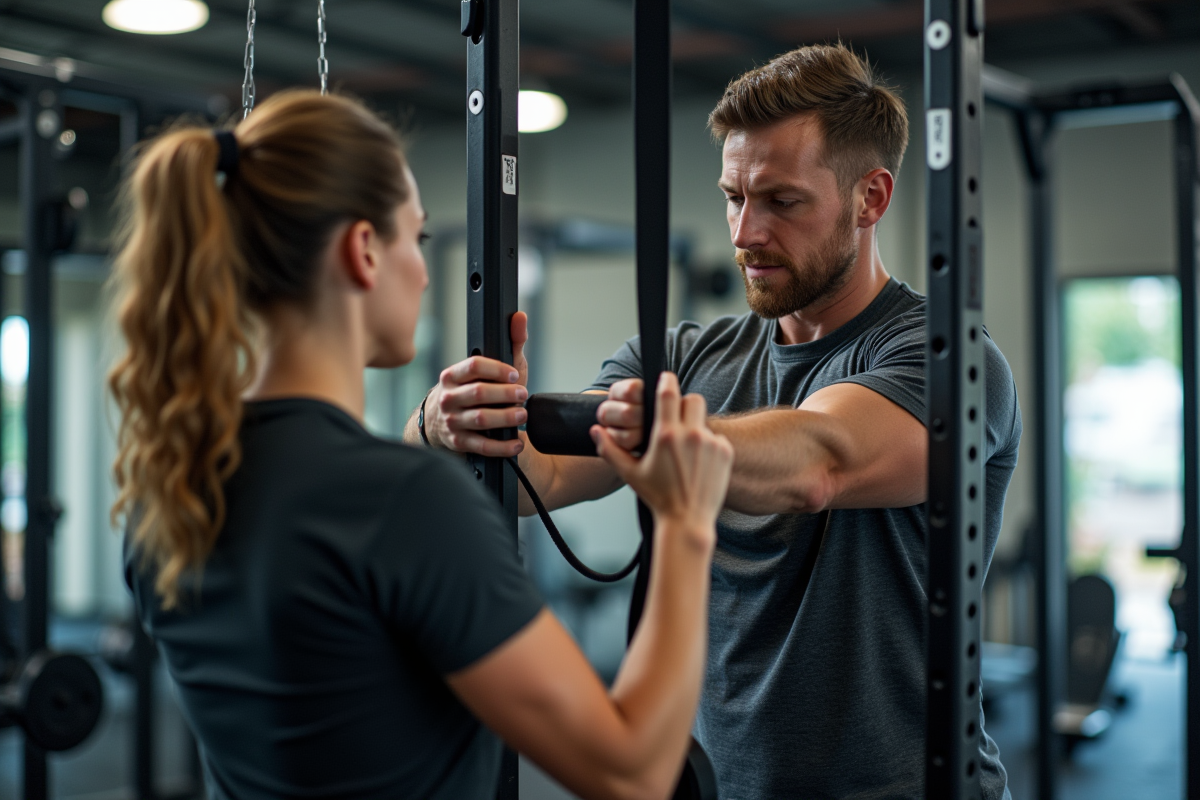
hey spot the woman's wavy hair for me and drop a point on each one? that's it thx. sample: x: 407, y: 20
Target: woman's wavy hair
x: 197, y: 263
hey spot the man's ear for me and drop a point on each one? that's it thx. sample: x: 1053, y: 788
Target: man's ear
x: 877, y: 186
x: 360, y: 261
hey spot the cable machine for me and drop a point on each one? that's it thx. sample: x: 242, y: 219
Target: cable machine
x: 491, y: 27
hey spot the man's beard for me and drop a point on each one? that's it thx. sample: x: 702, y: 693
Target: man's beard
x: 821, y: 276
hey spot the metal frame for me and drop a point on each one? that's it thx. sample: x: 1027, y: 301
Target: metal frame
x: 1038, y: 114
x: 955, y: 377
x: 41, y: 89
x: 493, y: 52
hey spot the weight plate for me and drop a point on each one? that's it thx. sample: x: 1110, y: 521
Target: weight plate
x: 60, y: 700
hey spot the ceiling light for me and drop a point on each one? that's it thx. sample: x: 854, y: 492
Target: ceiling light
x: 155, y: 16
x: 539, y: 111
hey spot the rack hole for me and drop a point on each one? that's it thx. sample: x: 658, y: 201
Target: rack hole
x: 970, y: 109
x: 972, y: 223
x: 971, y: 413
x: 970, y: 767
x: 476, y: 281
x: 972, y: 185
x: 970, y: 730
x: 971, y: 650
x: 475, y: 351
x: 938, y: 264
x: 971, y: 572
x: 972, y: 374
x: 973, y: 334
x: 971, y: 614
x: 972, y: 453
x: 972, y: 532
x: 971, y: 689
x: 939, y: 346
x: 971, y: 491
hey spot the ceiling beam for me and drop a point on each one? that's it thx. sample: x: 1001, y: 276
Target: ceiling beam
x: 907, y: 17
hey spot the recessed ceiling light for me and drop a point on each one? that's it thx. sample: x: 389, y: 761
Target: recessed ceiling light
x: 156, y: 16
x: 539, y: 111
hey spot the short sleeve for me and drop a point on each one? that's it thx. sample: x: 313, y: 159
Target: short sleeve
x: 1004, y: 425
x: 625, y: 363
x: 895, y: 364
x: 444, y: 571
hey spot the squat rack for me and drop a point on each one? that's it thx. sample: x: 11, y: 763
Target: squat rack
x: 41, y: 89
x: 1038, y: 113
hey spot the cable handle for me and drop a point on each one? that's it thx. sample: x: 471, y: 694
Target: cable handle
x: 559, y: 424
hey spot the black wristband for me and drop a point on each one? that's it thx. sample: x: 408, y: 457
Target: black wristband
x: 421, y: 421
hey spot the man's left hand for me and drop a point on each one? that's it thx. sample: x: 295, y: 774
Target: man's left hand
x: 621, y: 413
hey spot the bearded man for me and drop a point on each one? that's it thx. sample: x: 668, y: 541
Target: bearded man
x: 815, y: 685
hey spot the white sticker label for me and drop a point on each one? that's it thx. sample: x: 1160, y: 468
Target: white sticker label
x: 510, y: 174
x: 937, y: 137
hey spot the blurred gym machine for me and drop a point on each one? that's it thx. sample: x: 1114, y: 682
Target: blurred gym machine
x: 1038, y: 113
x: 55, y: 698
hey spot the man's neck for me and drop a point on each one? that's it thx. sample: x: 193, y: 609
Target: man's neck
x: 867, y: 279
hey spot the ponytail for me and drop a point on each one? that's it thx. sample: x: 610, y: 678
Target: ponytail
x: 196, y: 263
x: 179, y: 386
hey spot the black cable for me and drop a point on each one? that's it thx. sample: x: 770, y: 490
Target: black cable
x: 561, y: 544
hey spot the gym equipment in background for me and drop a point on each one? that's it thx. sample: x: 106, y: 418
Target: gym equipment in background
x: 55, y: 698
x: 1093, y: 645
x: 1038, y: 112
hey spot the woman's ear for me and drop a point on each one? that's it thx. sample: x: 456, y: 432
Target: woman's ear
x: 360, y: 261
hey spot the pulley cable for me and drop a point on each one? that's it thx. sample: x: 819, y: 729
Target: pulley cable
x: 561, y: 543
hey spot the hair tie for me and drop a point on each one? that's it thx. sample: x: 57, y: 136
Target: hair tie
x: 227, y: 159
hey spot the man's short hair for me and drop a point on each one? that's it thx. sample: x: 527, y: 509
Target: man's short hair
x: 863, y: 119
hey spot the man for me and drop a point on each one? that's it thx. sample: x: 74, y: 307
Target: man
x: 816, y: 662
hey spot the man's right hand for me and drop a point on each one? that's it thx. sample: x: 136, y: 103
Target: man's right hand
x: 477, y: 395
x: 684, y: 474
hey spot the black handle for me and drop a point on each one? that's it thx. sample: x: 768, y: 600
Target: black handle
x: 558, y: 423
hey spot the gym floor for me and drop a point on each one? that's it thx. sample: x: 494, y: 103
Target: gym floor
x: 1138, y: 758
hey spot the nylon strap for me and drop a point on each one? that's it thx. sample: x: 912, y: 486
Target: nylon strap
x: 652, y: 163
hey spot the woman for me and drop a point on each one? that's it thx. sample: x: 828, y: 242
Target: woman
x: 343, y: 616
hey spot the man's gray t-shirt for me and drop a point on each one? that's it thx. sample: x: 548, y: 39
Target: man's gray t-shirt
x: 822, y: 694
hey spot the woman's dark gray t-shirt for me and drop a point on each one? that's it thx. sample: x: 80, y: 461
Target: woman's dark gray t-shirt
x: 351, y: 575
x: 822, y: 694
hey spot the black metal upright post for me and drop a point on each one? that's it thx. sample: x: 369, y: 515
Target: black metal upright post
x: 955, y: 393
x: 1187, y: 203
x: 43, y: 122
x: 1049, y: 528
x: 492, y: 27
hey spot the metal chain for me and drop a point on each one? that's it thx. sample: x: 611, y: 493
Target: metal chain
x: 248, y: 80
x: 322, y: 62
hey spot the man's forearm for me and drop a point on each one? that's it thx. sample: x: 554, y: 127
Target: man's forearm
x: 784, y: 461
